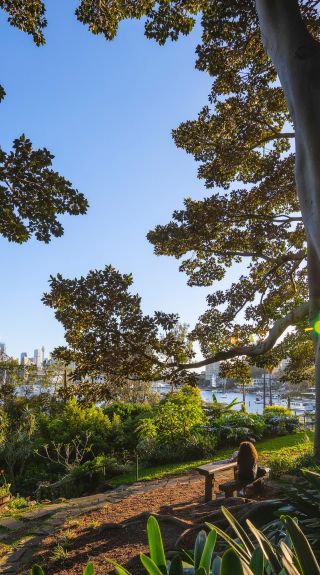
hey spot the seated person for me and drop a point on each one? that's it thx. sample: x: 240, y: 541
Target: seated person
x: 247, y: 460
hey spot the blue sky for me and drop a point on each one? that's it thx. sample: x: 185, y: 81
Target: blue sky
x: 106, y: 111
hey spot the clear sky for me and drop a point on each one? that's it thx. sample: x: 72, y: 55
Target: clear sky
x: 106, y: 111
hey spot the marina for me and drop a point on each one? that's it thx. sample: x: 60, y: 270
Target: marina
x: 304, y: 404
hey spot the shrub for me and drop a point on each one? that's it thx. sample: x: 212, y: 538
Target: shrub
x: 276, y: 410
x: 102, y: 465
x: 195, y: 447
x: 178, y: 416
x: 125, y: 419
x: 289, y: 461
x: 127, y: 410
x: 93, y: 475
x: 176, y: 431
x: 89, y: 477
x: 280, y: 424
x: 216, y: 409
x: 77, y: 421
x: 17, y: 503
x: 5, y: 489
x: 237, y: 426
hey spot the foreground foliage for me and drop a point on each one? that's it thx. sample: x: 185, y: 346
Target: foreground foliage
x: 303, y: 502
x: 247, y: 553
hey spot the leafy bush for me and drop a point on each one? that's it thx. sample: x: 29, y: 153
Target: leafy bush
x: 216, y: 409
x: 77, y: 421
x: 126, y: 418
x: 178, y: 416
x: 277, y: 410
x: 92, y: 476
x: 17, y: 503
x: 127, y: 410
x: 302, y: 501
x: 16, y: 443
x: 102, y: 465
x: 280, y: 421
x: 176, y: 430
x: 195, y: 447
x: 237, y: 426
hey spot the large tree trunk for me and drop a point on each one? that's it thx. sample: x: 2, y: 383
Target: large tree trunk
x: 314, y: 290
x: 296, y: 56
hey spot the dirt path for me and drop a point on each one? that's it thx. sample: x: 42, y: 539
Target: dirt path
x: 64, y: 537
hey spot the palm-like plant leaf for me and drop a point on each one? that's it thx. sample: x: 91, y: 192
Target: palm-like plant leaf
x: 150, y: 565
x: 235, y: 546
x: 206, y: 557
x: 231, y: 564
x: 155, y: 544
x: 257, y: 562
x: 37, y: 570
x: 238, y: 529
x: 89, y: 569
x: 266, y: 548
x: 198, y: 547
x: 308, y: 564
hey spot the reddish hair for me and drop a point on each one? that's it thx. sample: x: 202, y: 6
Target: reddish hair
x: 247, y: 452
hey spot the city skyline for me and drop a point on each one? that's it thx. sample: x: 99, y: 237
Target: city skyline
x: 37, y: 358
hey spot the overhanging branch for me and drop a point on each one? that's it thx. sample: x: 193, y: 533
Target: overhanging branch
x: 260, y: 348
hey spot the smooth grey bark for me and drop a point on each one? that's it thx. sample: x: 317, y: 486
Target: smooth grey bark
x: 296, y: 57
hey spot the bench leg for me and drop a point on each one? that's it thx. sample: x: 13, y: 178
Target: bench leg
x: 208, y: 490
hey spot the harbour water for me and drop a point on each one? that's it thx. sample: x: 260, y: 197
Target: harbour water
x: 252, y: 404
x: 227, y: 397
x: 253, y: 400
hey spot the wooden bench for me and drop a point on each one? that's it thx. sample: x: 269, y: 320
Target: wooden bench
x: 232, y: 488
x: 210, y: 472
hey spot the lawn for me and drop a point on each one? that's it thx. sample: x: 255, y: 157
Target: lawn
x: 285, y: 444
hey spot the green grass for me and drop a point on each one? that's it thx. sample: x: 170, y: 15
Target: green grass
x: 265, y: 448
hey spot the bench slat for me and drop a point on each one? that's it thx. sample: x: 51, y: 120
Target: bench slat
x: 212, y: 468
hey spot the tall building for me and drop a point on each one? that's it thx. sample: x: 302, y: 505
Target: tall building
x: 212, y: 371
x: 42, y: 355
x: 23, y: 357
x: 37, y: 357
x: 2, y: 348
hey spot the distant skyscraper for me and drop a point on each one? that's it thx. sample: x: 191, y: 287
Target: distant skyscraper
x: 212, y: 370
x: 42, y: 355
x: 37, y: 357
x: 23, y: 357
x: 2, y: 347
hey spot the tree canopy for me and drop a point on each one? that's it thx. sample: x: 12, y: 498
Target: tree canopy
x: 32, y: 194
x: 108, y: 334
x: 243, y: 141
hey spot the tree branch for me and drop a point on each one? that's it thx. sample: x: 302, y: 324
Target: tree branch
x: 298, y: 256
x: 275, y: 136
x: 260, y: 348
